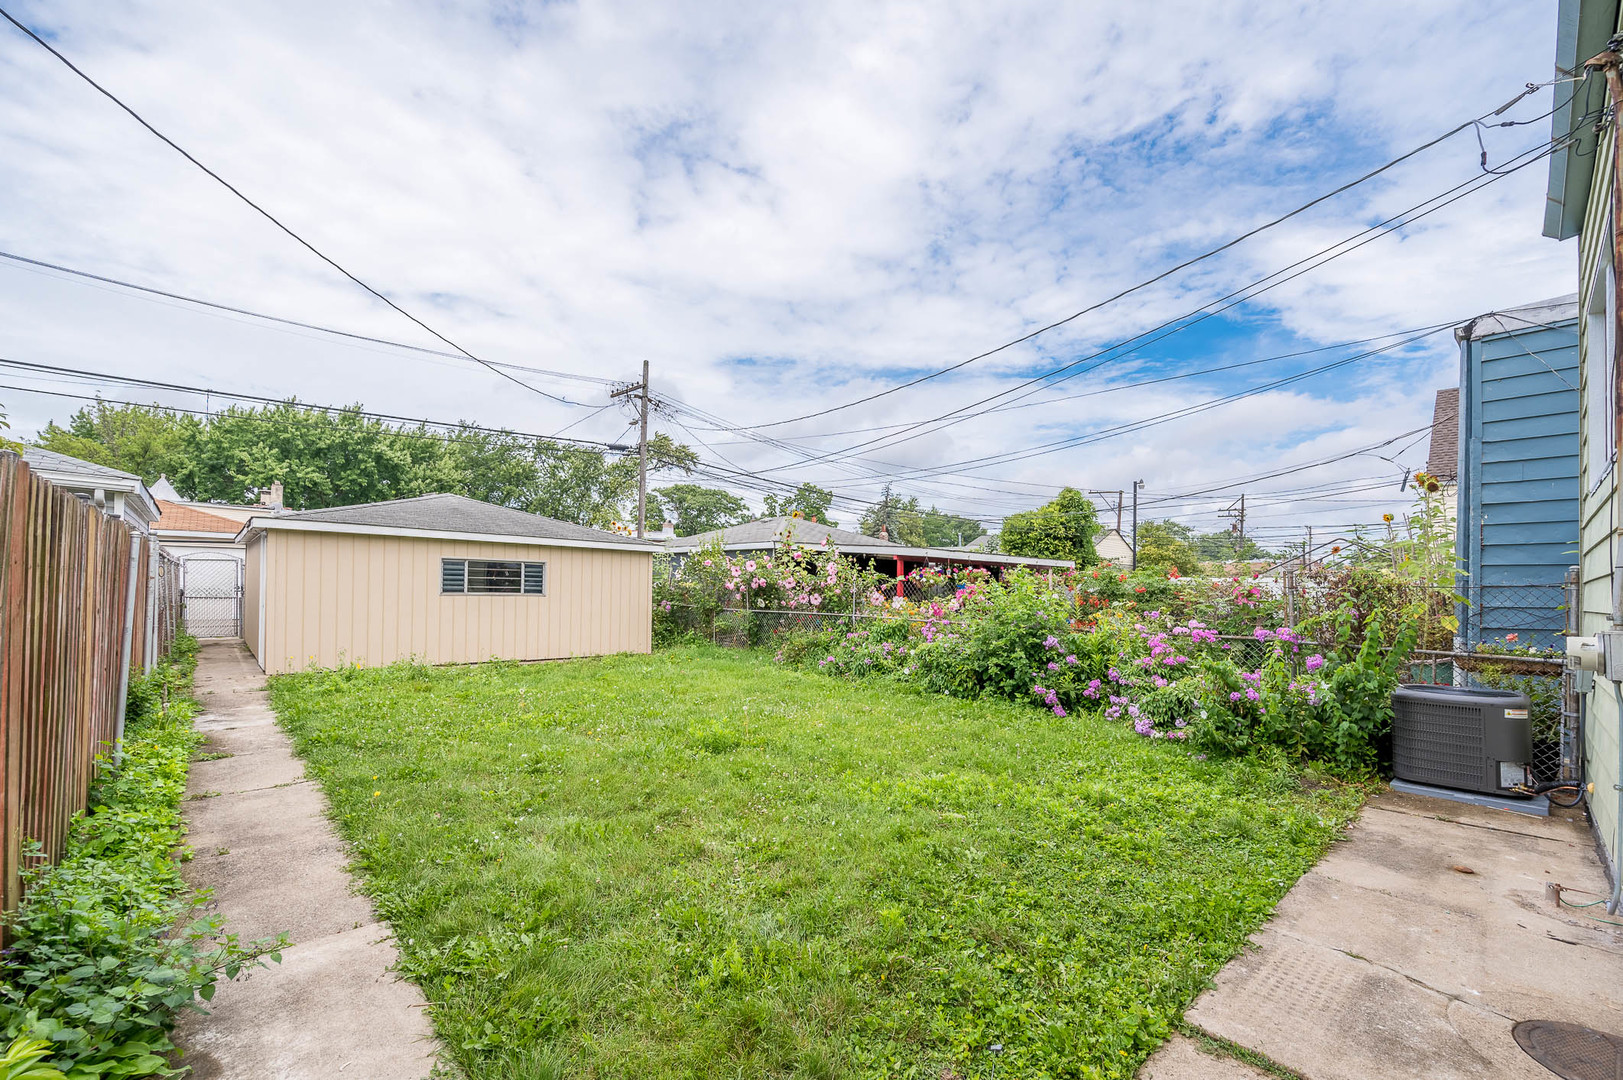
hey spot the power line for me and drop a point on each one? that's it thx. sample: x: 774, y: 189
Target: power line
x: 1171, y: 270
x: 1177, y: 325
x: 369, y: 339
x: 389, y: 418
x: 266, y: 214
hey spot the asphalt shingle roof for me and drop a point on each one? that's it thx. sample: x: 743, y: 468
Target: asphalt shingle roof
x: 459, y: 514
x: 1443, y: 459
x: 767, y: 530
x: 177, y: 518
x: 50, y: 459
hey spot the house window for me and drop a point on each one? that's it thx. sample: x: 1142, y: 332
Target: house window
x: 1600, y: 378
x: 493, y: 577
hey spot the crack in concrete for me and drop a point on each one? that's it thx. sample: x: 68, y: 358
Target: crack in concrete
x: 1417, y: 981
x: 1471, y: 824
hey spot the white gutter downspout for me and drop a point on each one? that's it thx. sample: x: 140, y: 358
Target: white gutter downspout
x: 129, y: 635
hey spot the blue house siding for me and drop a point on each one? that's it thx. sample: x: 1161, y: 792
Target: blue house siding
x: 1518, y: 477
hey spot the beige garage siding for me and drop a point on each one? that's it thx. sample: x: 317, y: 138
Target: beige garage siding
x: 252, y: 569
x: 339, y: 598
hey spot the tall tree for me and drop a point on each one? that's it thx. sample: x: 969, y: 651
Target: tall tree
x: 1061, y: 529
x: 899, y: 519
x: 942, y: 529
x: 340, y: 457
x: 692, y: 509
x: 809, y: 500
x: 144, y: 441
x: 1220, y: 547
x: 1168, y: 545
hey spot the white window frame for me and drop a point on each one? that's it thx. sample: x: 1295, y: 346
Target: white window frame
x: 1600, y: 375
x: 527, y: 569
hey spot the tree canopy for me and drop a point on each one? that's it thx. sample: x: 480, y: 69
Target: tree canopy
x: 340, y: 457
x: 1168, y: 545
x: 906, y: 522
x: 809, y: 501
x: 1061, y: 529
x: 693, y: 509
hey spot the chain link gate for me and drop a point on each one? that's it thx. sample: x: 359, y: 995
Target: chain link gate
x: 212, y: 596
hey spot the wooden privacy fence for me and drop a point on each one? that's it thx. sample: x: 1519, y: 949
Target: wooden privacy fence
x: 83, y: 602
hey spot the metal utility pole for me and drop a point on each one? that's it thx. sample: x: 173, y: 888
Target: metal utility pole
x: 1236, y: 510
x: 640, y: 389
x: 1119, y: 501
x: 1136, y: 485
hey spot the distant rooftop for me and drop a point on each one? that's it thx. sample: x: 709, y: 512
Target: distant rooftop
x: 452, y: 514
x: 1443, y: 459
x: 766, y: 531
x: 50, y: 461
x: 1539, y: 315
x: 175, y: 517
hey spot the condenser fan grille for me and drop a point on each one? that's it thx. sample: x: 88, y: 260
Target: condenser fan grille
x: 1437, y: 743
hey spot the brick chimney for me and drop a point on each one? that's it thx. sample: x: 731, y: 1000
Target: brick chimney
x: 273, y: 499
x: 884, y: 533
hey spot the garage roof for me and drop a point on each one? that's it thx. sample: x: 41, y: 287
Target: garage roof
x: 445, y: 517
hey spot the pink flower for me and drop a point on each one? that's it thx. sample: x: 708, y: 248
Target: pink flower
x: 1314, y: 662
x: 707, y: 562
x: 750, y: 566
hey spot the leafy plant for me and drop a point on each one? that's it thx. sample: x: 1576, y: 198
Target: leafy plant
x: 24, y: 1060
x: 96, y: 968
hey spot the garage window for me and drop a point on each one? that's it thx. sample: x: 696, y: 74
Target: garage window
x: 487, y: 577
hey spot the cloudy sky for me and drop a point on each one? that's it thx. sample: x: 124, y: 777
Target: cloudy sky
x: 785, y: 208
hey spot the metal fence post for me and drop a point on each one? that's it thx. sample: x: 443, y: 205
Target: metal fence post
x: 129, y: 636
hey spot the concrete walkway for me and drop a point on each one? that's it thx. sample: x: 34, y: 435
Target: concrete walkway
x: 262, y: 842
x: 1411, y: 950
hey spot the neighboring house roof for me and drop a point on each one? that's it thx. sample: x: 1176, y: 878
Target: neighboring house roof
x: 88, y: 478
x: 1443, y: 459
x: 446, y: 517
x: 764, y: 534
x: 178, y: 517
x: 766, y: 531
x: 163, y: 490
x: 980, y: 543
x: 1582, y: 29
x: 1539, y: 315
x: 1113, y: 547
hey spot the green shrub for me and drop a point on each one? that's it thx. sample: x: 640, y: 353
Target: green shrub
x: 96, y: 968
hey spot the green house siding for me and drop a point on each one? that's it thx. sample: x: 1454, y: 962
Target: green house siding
x: 1597, y: 521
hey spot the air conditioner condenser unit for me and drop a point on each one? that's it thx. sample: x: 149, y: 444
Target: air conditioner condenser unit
x: 1468, y: 740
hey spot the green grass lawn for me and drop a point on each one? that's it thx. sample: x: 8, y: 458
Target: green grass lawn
x: 698, y: 864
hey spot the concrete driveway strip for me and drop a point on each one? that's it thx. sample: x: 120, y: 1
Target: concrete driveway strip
x: 1415, y: 945
x: 263, y: 843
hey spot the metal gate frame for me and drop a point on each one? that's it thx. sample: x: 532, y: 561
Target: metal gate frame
x: 217, y: 590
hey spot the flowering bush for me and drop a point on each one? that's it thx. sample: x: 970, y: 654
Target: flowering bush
x: 710, y: 588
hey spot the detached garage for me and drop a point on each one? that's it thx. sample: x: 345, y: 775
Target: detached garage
x: 443, y: 579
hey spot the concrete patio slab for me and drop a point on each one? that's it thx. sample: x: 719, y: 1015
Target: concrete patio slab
x: 267, y: 850
x: 320, y: 984
x: 252, y: 770
x: 1417, y: 943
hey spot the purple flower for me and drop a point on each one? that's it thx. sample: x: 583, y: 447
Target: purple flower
x: 1314, y: 662
x: 1059, y: 710
x: 1053, y: 666
x: 1071, y: 659
x: 1132, y: 710
x: 1234, y: 696
x: 1051, y: 643
x: 1144, y: 725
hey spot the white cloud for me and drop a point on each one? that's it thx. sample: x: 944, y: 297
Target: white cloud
x: 837, y: 191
